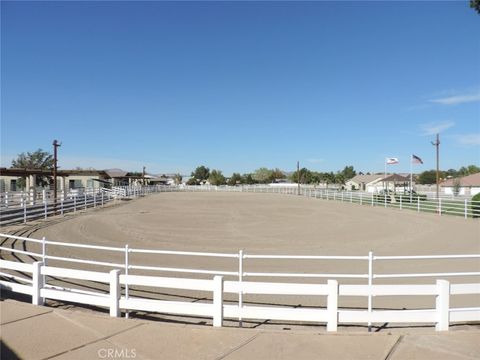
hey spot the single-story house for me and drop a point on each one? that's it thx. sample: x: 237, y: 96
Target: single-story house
x: 363, y: 182
x: 466, y: 185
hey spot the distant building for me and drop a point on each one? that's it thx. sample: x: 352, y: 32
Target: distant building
x: 466, y: 185
x: 363, y: 183
x: 376, y: 183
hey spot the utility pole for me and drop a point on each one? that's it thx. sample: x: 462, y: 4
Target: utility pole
x: 143, y: 176
x: 298, y: 177
x: 437, y: 145
x: 55, y: 144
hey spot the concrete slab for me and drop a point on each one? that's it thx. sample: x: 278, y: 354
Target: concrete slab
x: 11, y: 311
x: 99, y: 324
x: 44, y: 336
x: 100, y: 350
x: 314, y: 346
x: 450, y: 346
x: 160, y: 341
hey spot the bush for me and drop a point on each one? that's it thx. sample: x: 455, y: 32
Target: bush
x: 476, y: 206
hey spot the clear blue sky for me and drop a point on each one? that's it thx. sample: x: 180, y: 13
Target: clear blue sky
x: 236, y: 86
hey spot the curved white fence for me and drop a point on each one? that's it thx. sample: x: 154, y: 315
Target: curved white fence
x: 21, y: 207
x: 120, y: 278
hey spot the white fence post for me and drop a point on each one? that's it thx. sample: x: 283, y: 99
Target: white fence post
x: 370, y: 282
x: 24, y: 211
x: 6, y: 200
x: 37, y: 283
x: 217, y: 301
x: 332, y: 305
x: 443, y: 305
x: 418, y: 203
x: 44, y: 256
x: 114, y: 293
x: 126, y: 277
x: 74, y: 203
x: 240, y: 292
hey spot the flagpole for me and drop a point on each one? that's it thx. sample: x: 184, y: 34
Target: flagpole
x: 385, y: 174
x: 411, y: 177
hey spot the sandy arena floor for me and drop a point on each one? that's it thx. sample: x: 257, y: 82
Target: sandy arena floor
x: 273, y: 224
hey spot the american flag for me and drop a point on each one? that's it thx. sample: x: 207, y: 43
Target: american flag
x: 391, y: 161
x: 416, y: 160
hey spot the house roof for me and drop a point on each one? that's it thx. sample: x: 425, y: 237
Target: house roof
x: 469, y: 180
x: 396, y: 177
x: 26, y: 172
x: 114, y: 173
x: 365, y: 178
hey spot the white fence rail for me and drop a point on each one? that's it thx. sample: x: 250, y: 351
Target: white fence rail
x: 19, y: 207
x: 15, y: 276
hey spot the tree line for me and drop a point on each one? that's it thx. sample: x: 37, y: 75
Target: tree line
x: 263, y: 175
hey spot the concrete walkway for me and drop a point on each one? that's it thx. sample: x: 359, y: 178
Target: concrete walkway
x: 37, y: 332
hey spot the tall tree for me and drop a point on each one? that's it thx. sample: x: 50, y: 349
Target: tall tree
x: 178, y: 179
x: 306, y: 176
x: 37, y: 160
x: 235, y: 179
x: 201, y: 173
x: 216, y: 178
x: 428, y: 177
x: 248, y: 179
x: 469, y: 170
x: 263, y: 175
x: 348, y: 172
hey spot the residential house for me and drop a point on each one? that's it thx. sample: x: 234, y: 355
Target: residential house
x: 467, y: 185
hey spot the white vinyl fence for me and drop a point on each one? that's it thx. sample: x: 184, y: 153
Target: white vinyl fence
x: 19, y: 207
x: 120, y: 278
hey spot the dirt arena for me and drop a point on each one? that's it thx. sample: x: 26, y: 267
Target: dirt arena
x: 268, y: 223
x: 273, y: 224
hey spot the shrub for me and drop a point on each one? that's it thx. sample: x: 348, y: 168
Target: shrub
x: 476, y: 206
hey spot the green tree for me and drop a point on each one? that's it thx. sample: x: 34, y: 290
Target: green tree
x: 475, y: 4
x: 248, y: 179
x: 178, y: 179
x: 328, y: 178
x: 306, y: 176
x: 263, y: 175
x: 235, y: 179
x: 339, y: 178
x: 201, y: 174
x: 278, y: 174
x: 469, y: 170
x: 429, y: 177
x: 348, y: 172
x: 451, y: 173
x: 192, y: 181
x: 37, y: 160
x: 216, y: 178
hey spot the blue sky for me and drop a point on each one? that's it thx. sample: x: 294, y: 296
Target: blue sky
x: 237, y: 86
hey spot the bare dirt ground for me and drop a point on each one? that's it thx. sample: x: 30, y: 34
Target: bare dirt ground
x: 274, y: 224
